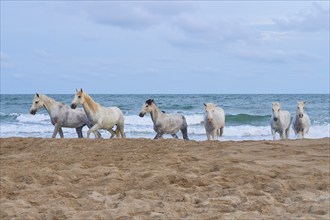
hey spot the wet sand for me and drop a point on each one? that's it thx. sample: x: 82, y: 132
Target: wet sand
x: 164, y: 179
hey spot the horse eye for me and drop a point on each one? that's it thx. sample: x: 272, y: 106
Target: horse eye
x: 79, y: 96
x: 36, y: 102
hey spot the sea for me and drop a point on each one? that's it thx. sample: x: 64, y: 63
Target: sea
x: 247, y: 115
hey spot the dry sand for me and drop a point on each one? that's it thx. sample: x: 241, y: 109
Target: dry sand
x: 164, y: 179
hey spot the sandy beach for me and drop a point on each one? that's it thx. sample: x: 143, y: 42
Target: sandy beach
x: 164, y: 179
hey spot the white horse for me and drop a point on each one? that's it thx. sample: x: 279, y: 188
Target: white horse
x: 301, y: 123
x: 165, y: 123
x: 103, y: 117
x: 61, y: 115
x: 214, y: 121
x: 280, y: 121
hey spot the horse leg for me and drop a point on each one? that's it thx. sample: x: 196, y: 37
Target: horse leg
x: 158, y: 135
x: 56, y: 129
x: 79, y: 132
x: 184, y: 132
x: 274, y: 134
x: 121, y: 130
x: 287, y: 132
x: 208, y: 136
x: 221, y: 131
x: 117, y: 132
x: 93, y: 129
x: 112, y: 133
x: 215, y: 134
x: 175, y: 136
x: 61, y: 132
x: 282, y: 133
x: 97, y: 134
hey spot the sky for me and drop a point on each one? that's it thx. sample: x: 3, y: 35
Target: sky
x: 167, y: 47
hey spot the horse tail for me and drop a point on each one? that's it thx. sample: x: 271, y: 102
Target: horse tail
x: 120, y: 127
x: 184, y: 129
x: 117, y: 131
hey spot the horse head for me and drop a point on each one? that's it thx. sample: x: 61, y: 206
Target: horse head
x: 276, y: 107
x: 78, y: 99
x: 300, y: 109
x: 209, y: 110
x: 36, y: 104
x: 147, y: 107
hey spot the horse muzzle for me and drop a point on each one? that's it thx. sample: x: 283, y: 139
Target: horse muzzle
x: 73, y: 106
x: 33, y: 112
x: 141, y: 114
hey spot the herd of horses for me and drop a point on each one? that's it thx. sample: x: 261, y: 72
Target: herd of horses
x: 96, y: 117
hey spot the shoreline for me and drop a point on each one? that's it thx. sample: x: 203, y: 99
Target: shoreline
x: 164, y: 179
x: 161, y: 139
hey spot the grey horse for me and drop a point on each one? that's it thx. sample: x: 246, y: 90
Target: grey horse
x: 165, y: 123
x: 62, y: 115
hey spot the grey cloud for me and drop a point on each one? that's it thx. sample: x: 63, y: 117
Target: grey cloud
x: 313, y: 19
x: 187, y: 31
x: 174, y: 22
x: 134, y: 15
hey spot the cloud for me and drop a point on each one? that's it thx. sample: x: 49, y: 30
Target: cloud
x: 178, y: 23
x: 3, y: 56
x: 312, y: 19
x: 149, y: 71
x: 272, y: 36
x: 215, y: 34
x: 43, y: 53
x: 134, y: 15
x: 5, y: 61
x: 273, y: 56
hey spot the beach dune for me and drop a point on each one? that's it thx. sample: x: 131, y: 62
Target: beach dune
x: 164, y: 179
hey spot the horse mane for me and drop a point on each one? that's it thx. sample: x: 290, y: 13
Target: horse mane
x: 49, y: 98
x: 210, y: 105
x: 90, y: 102
x: 150, y: 101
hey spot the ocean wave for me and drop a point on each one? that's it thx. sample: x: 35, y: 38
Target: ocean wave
x: 24, y: 118
x: 8, y: 117
x: 38, y: 118
x: 194, y: 119
x: 245, y: 119
x: 197, y: 132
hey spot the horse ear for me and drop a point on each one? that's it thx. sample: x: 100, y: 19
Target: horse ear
x: 204, y: 104
x: 81, y: 90
x: 37, y: 95
x: 304, y: 102
x: 76, y: 90
x: 152, y: 100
